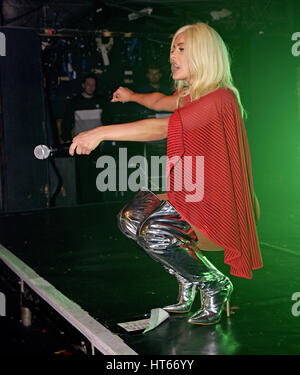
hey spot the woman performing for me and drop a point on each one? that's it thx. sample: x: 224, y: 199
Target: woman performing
x: 207, y: 121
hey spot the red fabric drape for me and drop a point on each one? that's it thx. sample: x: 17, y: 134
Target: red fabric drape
x: 212, y: 127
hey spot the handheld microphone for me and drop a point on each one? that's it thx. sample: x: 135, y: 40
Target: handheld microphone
x: 44, y: 152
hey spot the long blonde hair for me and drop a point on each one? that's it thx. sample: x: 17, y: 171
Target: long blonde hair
x: 208, y: 61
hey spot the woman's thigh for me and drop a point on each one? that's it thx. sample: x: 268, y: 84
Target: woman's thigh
x: 204, y: 243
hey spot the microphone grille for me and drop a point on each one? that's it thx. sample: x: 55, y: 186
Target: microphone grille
x: 41, y: 152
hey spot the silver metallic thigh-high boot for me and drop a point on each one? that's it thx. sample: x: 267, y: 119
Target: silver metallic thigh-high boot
x: 164, y: 236
x: 129, y: 218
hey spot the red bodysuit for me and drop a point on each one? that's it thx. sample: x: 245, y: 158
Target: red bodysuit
x: 212, y: 127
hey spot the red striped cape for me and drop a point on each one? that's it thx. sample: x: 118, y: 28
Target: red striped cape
x: 212, y: 127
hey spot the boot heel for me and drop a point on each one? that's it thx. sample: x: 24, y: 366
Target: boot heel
x: 228, y: 308
x: 228, y: 311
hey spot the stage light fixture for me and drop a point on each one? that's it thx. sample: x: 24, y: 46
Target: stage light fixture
x: 143, y: 12
x: 219, y: 14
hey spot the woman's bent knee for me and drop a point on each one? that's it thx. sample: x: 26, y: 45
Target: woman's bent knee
x: 126, y: 224
x: 135, y: 212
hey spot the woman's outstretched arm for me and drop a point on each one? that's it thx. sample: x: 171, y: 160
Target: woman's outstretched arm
x: 156, y: 100
x: 139, y: 131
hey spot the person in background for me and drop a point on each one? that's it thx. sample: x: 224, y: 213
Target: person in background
x: 155, y: 84
x: 85, y: 111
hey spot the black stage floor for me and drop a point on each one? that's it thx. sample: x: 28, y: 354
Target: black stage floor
x: 80, y: 251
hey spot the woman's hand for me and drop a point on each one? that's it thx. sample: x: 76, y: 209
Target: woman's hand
x: 122, y: 94
x: 84, y: 143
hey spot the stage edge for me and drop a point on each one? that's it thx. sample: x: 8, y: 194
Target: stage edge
x: 99, y: 336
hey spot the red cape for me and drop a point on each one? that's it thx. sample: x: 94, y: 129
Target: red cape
x: 212, y: 127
